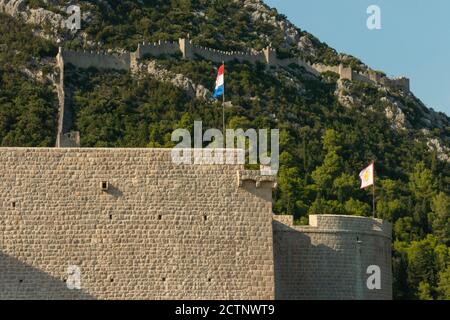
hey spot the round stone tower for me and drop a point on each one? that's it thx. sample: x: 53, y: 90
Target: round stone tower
x: 334, y: 257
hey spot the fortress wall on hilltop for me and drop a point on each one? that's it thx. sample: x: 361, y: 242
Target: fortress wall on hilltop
x: 82, y: 60
x: 65, y: 116
x: 129, y: 61
x: 218, y: 56
x: 362, y: 77
x: 189, y: 51
x: 85, y: 60
x: 308, y: 67
x: 275, y: 61
x: 324, y: 68
x: 401, y: 83
x: 139, y: 226
x: 372, y: 77
x: 158, y: 231
x: 329, y: 258
x: 157, y: 49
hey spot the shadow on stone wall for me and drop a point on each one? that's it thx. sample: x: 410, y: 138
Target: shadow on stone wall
x: 307, y: 271
x: 21, y: 281
x: 114, y: 191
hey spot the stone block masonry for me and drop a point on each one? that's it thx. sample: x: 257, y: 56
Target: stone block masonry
x: 140, y: 227
x: 155, y: 230
x: 85, y: 60
x: 328, y: 259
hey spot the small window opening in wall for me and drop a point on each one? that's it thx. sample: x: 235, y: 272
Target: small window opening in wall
x: 205, y: 218
x: 163, y: 279
x: 105, y: 185
x: 20, y: 281
x: 209, y: 279
x: 159, y: 217
x: 111, y: 279
x: 13, y: 204
x: 110, y: 217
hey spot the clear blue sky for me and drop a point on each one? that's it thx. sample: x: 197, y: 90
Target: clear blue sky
x: 414, y: 40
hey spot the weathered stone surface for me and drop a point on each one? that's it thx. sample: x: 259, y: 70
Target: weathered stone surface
x: 160, y: 231
x: 140, y: 227
x: 329, y: 258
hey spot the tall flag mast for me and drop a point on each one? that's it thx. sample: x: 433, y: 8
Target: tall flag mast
x: 368, y: 179
x: 220, y: 91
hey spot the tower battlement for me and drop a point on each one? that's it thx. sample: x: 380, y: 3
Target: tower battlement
x: 139, y: 226
x: 331, y: 256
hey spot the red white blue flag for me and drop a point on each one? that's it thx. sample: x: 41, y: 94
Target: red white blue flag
x: 220, y: 83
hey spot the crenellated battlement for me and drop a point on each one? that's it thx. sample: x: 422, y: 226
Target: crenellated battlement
x: 331, y: 257
x: 189, y: 50
x: 339, y: 223
x: 132, y: 219
x: 372, y: 77
x: 130, y: 60
x: 90, y: 59
x: 157, y: 49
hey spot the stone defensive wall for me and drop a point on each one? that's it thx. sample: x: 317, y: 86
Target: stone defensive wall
x: 136, y: 225
x: 328, y: 259
x: 129, y: 61
x: 272, y: 60
x: 85, y: 59
x: 372, y: 77
x: 189, y: 50
x: 218, y: 56
x: 157, y: 49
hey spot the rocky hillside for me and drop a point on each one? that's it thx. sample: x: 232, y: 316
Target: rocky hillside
x: 331, y: 128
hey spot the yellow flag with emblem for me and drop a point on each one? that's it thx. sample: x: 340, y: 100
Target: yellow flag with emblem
x: 366, y: 176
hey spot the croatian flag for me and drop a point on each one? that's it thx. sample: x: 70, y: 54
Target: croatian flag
x: 220, y: 83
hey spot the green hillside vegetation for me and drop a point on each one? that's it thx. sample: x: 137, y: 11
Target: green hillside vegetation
x: 323, y: 145
x: 219, y: 24
x: 28, y: 108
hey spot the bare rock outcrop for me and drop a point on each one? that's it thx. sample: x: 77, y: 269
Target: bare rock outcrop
x: 395, y: 114
x: 436, y: 145
x: 14, y: 8
x: 344, y: 97
x: 178, y: 80
x: 40, y: 16
x: 292, y: 35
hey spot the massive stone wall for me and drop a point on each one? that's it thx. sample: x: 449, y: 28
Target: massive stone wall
x: 19, y: 9
x: 85, y: 60
x: 372, y: 77
x: 157, y: 231
x: 189, y: 50
x: 140, y: 227
x: 218, y: 56
x: 157, y: 49
x: 130, y: 61
x: 329, y: 258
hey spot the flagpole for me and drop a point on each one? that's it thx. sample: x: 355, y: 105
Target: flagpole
x: 373, y: 188
x: 223, y: 101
